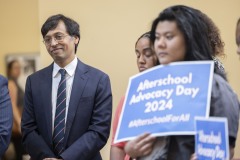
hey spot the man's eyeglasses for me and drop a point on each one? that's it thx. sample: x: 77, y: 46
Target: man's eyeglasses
x: 57, y: 38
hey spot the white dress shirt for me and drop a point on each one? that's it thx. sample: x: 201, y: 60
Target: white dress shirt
x: 56, y: 77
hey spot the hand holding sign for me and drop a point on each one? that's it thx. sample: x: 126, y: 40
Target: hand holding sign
x: 163, y: 98
x: 140, y: 146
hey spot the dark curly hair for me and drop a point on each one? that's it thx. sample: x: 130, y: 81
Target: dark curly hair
x: 202, y: 36
x: 217, y: 45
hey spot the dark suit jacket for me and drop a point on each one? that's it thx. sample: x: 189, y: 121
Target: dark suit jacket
x: 88, y: 120
x: 5, y: 116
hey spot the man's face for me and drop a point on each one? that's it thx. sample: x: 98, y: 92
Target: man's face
x: 169, y: 42
x: 60, y: 45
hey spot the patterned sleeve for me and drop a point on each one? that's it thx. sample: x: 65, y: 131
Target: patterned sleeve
x: 224, y: 103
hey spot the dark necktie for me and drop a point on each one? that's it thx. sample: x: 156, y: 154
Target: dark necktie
x: 59, y: 121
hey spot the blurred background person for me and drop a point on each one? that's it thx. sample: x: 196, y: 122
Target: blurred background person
x: 17, y: 96
x: 238, y: 36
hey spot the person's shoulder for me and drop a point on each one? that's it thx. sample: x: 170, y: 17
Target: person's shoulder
x: 219, y: 78
x: 221, y: 86
x: 219, y: 81
x: 42, y: 72
x: 92, y: 70
x: 2, y: 79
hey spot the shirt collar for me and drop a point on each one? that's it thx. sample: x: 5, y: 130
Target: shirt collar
x: 70, y: 68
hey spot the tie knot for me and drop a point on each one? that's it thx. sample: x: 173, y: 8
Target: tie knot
x: 62, y: 72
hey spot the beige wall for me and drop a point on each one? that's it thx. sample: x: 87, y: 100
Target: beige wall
x: 109, y: 30
x: 19, y: 28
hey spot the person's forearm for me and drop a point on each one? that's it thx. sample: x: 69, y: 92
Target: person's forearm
x: 17, y: 117
x: 36, y: 146
x: 33, y: 142
x: 117, y: 153
x: 16, y: 114
x: 86, y: 146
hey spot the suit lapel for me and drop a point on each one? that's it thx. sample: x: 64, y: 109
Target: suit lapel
x: 79, y: 82
x: 46, y: 93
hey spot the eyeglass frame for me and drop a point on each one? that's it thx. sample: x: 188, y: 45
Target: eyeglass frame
x: 57, y: 38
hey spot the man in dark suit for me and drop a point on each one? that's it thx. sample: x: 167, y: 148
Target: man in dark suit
x: 5, y: 116
x: 68, y: 105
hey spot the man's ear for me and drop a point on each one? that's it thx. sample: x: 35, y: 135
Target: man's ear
x: 76, y: 39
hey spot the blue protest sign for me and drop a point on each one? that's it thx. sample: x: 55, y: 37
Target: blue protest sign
x: 211, y: 139
x: 165, y: 98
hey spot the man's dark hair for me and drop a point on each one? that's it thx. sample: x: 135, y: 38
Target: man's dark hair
x: 72, y: 26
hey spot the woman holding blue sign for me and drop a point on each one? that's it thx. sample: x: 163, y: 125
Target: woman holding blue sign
x: 182, y: 33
